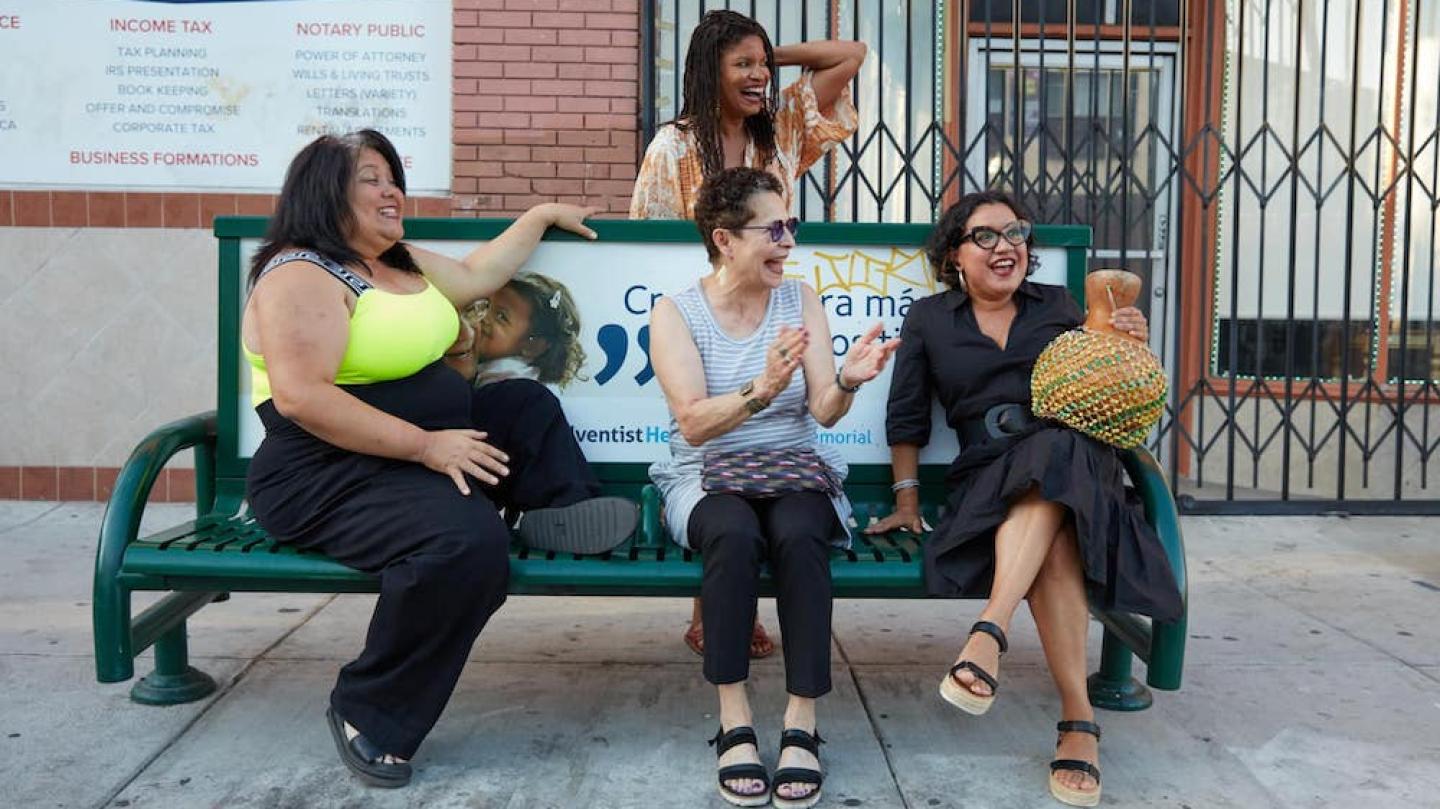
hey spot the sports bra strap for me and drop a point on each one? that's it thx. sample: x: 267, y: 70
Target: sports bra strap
x: 346, y: 277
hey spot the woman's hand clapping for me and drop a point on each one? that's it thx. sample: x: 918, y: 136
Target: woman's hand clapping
x: 866, y: 360
x: 781, y: 360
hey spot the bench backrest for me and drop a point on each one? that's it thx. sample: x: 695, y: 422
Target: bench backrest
x: 864, y: 273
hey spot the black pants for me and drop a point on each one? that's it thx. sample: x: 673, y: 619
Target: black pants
x: 441, y: 557
x: 792, y: 533
x: 547, y: 468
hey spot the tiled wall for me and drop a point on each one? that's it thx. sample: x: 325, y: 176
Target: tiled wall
x: 107, y: 298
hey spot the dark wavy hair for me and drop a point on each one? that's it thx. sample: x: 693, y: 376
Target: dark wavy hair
x: 724, y: 201
x: 313, y: 211
x: 718, y: 32
x: 554, y: 317
x: 946, y: 234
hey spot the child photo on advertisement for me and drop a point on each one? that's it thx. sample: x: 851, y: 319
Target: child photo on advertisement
x: 529, y: 329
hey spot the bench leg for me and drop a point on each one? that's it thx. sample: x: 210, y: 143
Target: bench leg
x: 1112, y: 687
x: 174, y: 681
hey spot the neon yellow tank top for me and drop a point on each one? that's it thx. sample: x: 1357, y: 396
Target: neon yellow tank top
x: 392, y: 335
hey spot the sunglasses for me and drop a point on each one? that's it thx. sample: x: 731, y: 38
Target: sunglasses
x: 1016, y: 233
x: 776, y: 229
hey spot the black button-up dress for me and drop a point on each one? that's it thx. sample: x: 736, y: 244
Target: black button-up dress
x: 943, y: 353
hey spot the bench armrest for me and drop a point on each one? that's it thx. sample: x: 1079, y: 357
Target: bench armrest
x: 137, y: 477
x: 1167, y: 640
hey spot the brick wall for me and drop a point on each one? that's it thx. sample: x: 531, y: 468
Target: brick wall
x: 546, y: 104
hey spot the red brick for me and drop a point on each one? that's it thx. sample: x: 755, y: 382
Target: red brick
x: 9, y: 483
x: 105, y: 478
x: 465, y: 120
x: 505, y: 153
x: 479, y: 103
x: 559, y: 21
x: 609, y: 187
x: 585, y: 37
x: 630, y: 72
x: 521, y: 36
x: 39, y: 483
x: 107, y: 209
x: 610, y: 155
x: 466, y: 153
x: 7, y: 209
x: 32, y: 208
x: 508, y: 19
x: 625, y: 39
x: 479, y: 136
x: 479, y: 168
x: 160, y: 492
x: 213, y: 205
x: 628, y: 138
x: 530, y: 169
x: 559, y: 186
x: 624, y: 22
x: 559, y: 120
x: 434, y: 206
x: 142, y: 211
x: 608, y: 121
x: 484, y: 5
x: 622, y: 171
x: 627, y: 6
x: 529, y: 137
x: 69, y: 209
x: 584, y: 5
x: 558, y: 154
x: 529, y: 104
x: 530, y: 5
x: 525, y: 202
x: 76, y: 483
x: 254, y: 204
x: 557, y: 88
x: 505, y: 185
x: 558, y: 54
x: 182, y: 485
x: 479, y: 70
x: 531, y: 70
x: 509, y: 86
x: 616, y: 55
x: 586, y: 104
x: 583, y: 139
x: 609, y: 88
x: 490, y: 39
x: 180, y: 210
x: 624, y: 106
x: 583, y: 170
x: 465, y: 19
x: 578, y: 71
x: 464, y: 185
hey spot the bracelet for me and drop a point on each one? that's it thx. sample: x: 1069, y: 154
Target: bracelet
x: 842, y: 386
x: 907, y: 483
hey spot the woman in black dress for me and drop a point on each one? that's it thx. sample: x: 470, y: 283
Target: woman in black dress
x: 1036, y: 511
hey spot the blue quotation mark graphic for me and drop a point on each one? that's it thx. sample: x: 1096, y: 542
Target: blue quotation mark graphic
x: 615, y: 342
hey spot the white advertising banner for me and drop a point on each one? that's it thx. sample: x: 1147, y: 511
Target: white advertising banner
x: 211, y: 95
x: 615, y: 405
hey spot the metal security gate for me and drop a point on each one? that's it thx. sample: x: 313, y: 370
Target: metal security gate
x: 1269, y: 166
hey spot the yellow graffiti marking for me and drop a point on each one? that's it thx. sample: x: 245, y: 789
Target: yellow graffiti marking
x: 861, y: 270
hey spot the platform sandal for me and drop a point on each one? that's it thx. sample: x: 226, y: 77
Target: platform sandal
x: 802, y: 776
x: 957, y: 693
x: 1062, y: 793
x: 723, y: 741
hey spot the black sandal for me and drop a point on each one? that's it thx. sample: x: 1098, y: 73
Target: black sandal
x: 956, y: 693
x: 365, y: 759
x: 1062, y: 793
x: 723, y: 741
x: 799, y: 776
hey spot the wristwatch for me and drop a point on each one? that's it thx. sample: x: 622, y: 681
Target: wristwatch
x: 753, y: 404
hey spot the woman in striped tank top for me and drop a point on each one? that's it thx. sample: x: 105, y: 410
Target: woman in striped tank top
x: 726, y: 352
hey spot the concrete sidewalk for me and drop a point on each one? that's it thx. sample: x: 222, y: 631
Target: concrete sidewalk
x: 1313, y: 679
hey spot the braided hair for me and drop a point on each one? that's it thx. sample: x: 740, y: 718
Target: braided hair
x: 718, y: 32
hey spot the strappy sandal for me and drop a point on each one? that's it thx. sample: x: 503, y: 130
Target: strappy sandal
x: 1062, y: 793
x: 723, y: 741
x: 365, y: 759
x: 798, y: 776
x: 957, y: 693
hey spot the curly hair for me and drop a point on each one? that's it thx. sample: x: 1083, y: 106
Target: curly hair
x: 946, y: 234
x: 313, y: 209
x: 724, y: 202
x: 718, y: 32
x: 555, y: 318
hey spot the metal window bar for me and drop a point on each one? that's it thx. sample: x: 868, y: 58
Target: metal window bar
x: 1270, y: 166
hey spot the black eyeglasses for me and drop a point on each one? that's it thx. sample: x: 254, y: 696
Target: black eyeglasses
x: 776, y: 229
x: 986, y: 238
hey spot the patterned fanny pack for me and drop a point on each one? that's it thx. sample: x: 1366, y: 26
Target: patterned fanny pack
x: 768, y: 473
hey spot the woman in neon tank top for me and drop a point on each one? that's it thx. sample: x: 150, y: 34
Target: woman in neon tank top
x: 370, y: 455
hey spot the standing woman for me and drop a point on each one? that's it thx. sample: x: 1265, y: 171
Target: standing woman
x: 730, y: 119
x: 369, y: 454
x: 1037, y: 511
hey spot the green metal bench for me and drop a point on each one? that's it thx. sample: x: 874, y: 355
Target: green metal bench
x: 223, y: 550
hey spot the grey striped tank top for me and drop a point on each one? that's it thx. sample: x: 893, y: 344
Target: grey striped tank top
x: 730, y: 363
